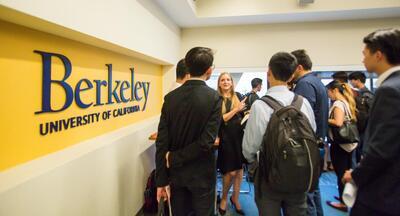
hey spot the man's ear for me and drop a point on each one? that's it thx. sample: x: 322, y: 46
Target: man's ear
x: 299, y: 68
x: 379, y: 55
x: 209, y: 71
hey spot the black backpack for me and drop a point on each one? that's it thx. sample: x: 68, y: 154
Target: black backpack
x: 251, y: 98
x: 363, y: 104
x: 150, y: 194
x: 289, y: 158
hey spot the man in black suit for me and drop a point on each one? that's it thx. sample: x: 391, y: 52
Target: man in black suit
x: 378, y: 174
x: 189, y: 123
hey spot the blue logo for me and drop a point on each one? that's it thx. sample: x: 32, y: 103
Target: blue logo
x: 118, y: 91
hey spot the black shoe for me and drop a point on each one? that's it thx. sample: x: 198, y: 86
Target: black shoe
x: 239, y: 211
x: 221, y: 211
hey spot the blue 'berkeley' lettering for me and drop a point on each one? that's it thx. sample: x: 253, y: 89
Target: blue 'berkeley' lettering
x: 116, y: 89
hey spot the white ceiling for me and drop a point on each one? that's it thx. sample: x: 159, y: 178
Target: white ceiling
x: 189, y: 13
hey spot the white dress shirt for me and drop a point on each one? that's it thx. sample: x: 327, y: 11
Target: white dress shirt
x: 174, y: 86
x: 260, y: 113
x: 386, y: 74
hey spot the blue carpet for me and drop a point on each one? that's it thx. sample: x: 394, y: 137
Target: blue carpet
x: 328, y: 189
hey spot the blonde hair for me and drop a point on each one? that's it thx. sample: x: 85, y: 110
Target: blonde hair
x: 345, y: 90
x: 349, y: 96
x: 232, y: 95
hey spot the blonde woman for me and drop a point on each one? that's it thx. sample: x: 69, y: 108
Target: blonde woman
x: 230, y: 158
x: 343, y: 107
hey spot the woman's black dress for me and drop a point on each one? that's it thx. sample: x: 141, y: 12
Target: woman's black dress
x: 230, y: 156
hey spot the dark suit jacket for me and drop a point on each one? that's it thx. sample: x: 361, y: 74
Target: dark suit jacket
x: 378, y: 174
x: 189, y: 123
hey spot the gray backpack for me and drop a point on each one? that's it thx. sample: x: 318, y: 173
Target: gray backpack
x: 289, y: 158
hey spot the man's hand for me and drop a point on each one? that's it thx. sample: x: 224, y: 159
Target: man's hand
x: 167, y: 159
x: 216, y: 143
x: 347, y: 176
x: 163, y: 192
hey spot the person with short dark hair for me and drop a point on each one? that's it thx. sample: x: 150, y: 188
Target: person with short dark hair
x: 269, y: 201
x: 357, y: 76
x: 340, y: 76
x: 377, y: 176
x: 308, y: 85
x: 256, y: 84
x: 364, y: 98
x: 182, y: 74
x: 189, y: 123
x: 252, y: 96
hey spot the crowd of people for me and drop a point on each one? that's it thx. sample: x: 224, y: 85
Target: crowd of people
x: 284, y: 138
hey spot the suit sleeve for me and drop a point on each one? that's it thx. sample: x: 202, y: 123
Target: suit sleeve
x: 162, y: 148
x: 204, y: 143
x: 383, y: 139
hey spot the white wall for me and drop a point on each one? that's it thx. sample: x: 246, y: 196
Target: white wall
x: 328, y: 43
x: 104, y: 176
x: 136, y: 25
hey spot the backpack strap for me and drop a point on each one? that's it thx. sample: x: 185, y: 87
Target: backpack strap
x: 297, y: 101
x: 271, y: 102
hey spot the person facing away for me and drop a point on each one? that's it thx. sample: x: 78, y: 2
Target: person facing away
x: 230, y: 158
x: 182, y: 74
x: 189, y: 123
x: 343, y: 108
x: 252, y: 96
x: 364, y: 100
x: 310, y: 87
x: 377, y: 176
x: 270, y: 202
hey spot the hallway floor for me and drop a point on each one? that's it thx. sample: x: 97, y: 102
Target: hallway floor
x: 328, y: 190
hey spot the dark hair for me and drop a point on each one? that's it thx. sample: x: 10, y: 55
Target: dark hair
x: 340, y: 76
x: 199, y: 60
x: 303, y: 59
x: 181, y: 69
x: 255, y: 82
x: 387, y: 41
x: 358, y: 75
x: 282, y: 65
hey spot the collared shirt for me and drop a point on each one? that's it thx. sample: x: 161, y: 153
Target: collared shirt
x: 260, y: 114
x: 174, y: 86
x: 386, y: 74
x: 311, y: 87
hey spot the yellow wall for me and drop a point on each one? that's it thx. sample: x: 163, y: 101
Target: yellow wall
x: 21, y: 90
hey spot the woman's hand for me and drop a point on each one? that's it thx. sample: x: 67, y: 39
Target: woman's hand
x: 242, y: 105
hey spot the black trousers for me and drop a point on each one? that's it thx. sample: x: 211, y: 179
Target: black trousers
x: 342, y: 161
x: 272, y: 203
x: 188, y: 200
